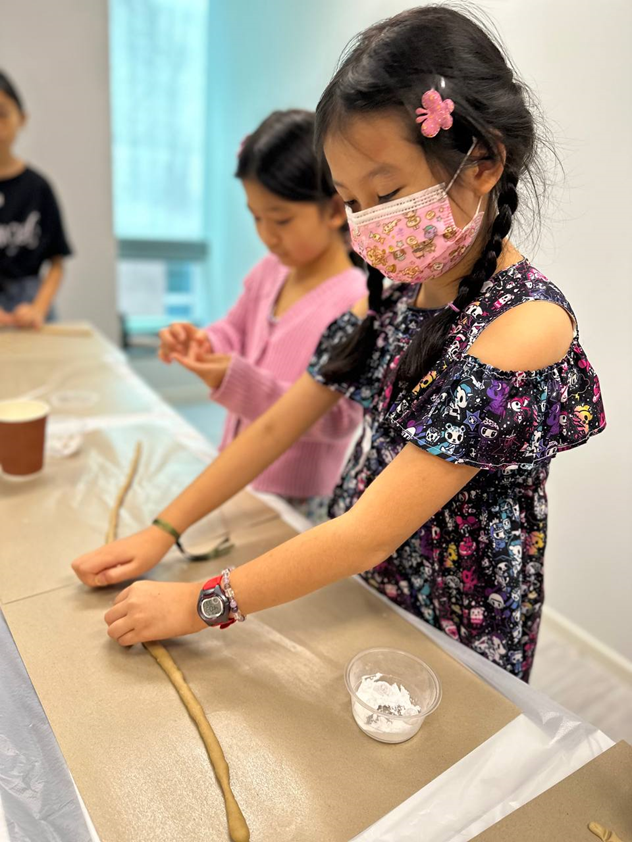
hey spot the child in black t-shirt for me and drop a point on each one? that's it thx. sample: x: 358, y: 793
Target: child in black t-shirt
x: 31, y: 229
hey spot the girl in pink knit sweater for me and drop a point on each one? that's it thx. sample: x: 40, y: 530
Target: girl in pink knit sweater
x: 253, y: 355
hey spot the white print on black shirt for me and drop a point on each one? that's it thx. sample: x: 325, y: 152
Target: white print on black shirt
x: 15, y: 235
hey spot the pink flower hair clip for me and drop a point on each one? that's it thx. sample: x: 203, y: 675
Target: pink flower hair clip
x: 436, y: 113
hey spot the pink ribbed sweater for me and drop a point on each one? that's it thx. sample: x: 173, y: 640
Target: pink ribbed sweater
x: 268, y: 356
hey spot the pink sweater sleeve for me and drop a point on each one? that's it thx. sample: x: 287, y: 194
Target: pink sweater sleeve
x: 248, y: 391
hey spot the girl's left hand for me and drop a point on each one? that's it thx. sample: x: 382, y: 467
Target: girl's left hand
x: 27, y: 315
x: 211, y: 368
x: 154, y: 611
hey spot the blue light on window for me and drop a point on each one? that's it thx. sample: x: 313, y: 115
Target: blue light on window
x: 158, y: 78
x: 179, y: 311
x: 179, y: 277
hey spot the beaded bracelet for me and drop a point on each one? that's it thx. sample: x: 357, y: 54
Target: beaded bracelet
x: 231, y: 594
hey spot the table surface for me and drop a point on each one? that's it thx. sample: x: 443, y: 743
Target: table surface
x: 273, y: 688
x: 601, y: 791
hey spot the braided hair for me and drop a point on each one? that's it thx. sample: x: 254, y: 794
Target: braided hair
x: 387, y: 69
x: 426, y: 346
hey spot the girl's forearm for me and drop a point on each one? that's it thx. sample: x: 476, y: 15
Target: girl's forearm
x: 410, y: 490
x: 49, y: 287
x: 314, y: 559
x: 254, y: 450
x: 250, y: 453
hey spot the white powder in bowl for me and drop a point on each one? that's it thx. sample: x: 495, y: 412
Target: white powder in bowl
x: 385, y: 698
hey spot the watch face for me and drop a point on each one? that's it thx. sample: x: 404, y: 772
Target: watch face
x: 212, y: 607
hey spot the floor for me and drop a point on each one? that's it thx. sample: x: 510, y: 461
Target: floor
x: 562, y: 671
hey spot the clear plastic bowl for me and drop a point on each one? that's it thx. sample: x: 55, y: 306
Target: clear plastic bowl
x: 394, y: 667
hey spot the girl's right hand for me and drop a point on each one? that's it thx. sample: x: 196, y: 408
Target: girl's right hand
x: 28, y: 316
x: 178, y: 338
x: 124, y: 559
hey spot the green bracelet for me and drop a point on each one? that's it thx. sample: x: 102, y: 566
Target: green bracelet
x: 223, y: 548
x: 166, y: 527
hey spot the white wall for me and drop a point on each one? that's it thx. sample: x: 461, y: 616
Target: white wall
x: 57, y: 53
x: 576, y: 54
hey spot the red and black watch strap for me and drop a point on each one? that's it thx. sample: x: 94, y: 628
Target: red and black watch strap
x: 208, y: 586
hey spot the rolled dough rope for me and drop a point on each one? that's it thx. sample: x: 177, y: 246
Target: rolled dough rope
x: 110, y: 535
x: 603, y: 833
x: 237, y: 827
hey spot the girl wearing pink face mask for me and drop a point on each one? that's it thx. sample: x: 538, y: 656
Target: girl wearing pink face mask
x: 468, y: 367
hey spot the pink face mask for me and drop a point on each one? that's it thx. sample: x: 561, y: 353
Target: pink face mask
x: 414, y: 239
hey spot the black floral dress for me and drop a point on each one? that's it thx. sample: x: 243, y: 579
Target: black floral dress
x: 475, y: 569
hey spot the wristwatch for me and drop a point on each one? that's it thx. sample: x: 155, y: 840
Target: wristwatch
x: 213, y: 604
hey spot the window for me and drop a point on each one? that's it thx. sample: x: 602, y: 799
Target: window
x: 154, y: 292
x: 158, y: 81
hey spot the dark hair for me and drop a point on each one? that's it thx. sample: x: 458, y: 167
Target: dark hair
x: 7, y: 87
x: 281, y: 155
x: 388, y: 68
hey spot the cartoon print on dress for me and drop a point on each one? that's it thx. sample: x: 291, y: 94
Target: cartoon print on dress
x: 467, y: 524
x: 515, y: 555
x: 450, y: 629
x: 477, y: 565
x: 454, y: 434
x: 499, y: 536
x: 521, y: 408
x: 535, y: 542
x: 470, y: 579
x: 503, y: 574
x: 461, y: 396
x: 473, y: 420
x: 583, y: 416
x: 504, y: 299
x: 498, y: 392
x: 489, y: 429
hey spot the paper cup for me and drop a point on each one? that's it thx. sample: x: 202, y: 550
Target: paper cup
x: 22, y: 434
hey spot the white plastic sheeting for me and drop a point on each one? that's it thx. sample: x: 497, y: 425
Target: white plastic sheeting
x: 542, y: 746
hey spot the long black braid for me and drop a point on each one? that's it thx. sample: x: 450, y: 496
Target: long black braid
x: 350, y: 356
x: 427, y: 345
